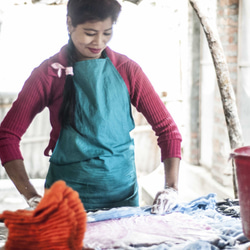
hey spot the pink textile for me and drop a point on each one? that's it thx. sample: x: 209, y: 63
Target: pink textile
x: 174, y: 228
x: 60, y: 67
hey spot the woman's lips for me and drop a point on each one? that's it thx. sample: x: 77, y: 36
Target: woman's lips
x: 95, y: 51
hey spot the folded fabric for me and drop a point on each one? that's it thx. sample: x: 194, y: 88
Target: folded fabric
x: 201, y: 203
x: 203, y: 209
x: 58, y: 222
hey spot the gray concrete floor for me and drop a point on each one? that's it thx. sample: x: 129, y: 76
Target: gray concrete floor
x: 194, y: 182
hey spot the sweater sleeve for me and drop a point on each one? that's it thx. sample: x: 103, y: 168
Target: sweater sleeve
x: 30, y: 101
x: 147, y: 101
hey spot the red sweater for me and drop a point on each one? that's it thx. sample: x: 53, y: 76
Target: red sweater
x: 45, y: 89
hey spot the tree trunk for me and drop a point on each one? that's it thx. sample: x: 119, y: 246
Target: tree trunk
x: 223, y: 79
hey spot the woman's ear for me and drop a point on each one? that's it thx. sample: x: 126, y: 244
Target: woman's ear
x: 69, y: 24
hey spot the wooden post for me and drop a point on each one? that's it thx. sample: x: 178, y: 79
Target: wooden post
x: 223, y: 80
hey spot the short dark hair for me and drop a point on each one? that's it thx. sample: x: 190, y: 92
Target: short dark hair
x: 81, y: 11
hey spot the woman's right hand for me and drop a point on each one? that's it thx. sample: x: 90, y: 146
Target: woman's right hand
x: 16, y: 171
x: 34, y: 201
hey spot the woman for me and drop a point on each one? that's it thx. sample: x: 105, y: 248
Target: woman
x: 88, y: 89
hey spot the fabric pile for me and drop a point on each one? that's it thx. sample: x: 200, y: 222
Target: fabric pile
x: 196, y: 225
x: 58, y: 222
x: 229, y: 207
x: 146, y: 231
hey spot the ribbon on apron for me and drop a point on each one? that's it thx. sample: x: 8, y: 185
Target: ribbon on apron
x: 97, y: 159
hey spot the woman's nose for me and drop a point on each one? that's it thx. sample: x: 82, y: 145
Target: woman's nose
x: 98, y: 39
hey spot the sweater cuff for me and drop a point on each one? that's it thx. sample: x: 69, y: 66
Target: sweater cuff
x: 10, y: 153
x: 170, y: 149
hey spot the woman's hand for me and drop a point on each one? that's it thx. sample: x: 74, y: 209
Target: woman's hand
x: 17, y: 173
x: 165, y: 201
x: 34, y: 201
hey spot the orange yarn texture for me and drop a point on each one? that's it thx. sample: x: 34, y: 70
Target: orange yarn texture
x: 58, y: 222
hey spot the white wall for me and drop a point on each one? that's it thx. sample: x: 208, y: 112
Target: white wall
x: 243, y: 89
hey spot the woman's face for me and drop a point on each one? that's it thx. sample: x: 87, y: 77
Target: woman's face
x: 90, y: 38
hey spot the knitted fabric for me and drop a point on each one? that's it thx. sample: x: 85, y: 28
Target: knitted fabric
x: 58, y: 222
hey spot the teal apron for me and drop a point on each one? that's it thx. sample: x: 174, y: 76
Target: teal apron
x: 97, y: 159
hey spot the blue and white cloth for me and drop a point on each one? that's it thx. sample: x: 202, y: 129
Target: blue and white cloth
x: 230, y: 233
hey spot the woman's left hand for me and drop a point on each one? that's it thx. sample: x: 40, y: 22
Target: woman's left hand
x: 165, y: 201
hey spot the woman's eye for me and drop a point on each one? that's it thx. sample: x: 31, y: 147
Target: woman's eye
x: 89, y: 34
x: 93, y: 34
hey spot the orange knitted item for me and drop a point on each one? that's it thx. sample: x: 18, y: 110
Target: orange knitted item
x: 58, y: 222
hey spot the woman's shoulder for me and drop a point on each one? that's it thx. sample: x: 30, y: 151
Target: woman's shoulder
x: 46, y: 66
x: 119, y: 59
